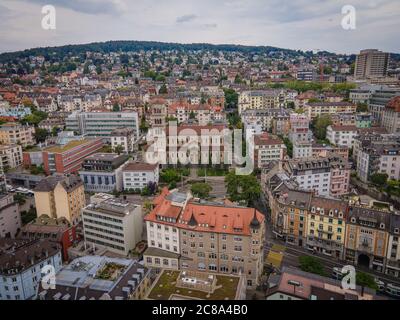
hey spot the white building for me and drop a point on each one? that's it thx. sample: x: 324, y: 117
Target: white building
x: 113, y: 223
x: 10, y: 156
x: 124, y: 137
x: 302, y: 150
x: 138, y: 175
x: 342, y: 136
x: 22, y: 266
x: 10, y: 219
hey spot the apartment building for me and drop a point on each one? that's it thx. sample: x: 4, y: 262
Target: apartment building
x: 393, y: 252
x: 14, y: 133
x: 22, y: 264
x: 302, y: 150
x: 10, y: 157
x: 272, y: 119
x: 371, y: 63
x: 101, y: 124
x: 137, y: 175
x: 367, y: 237
x: 100, y: 278
x: 379, y: 100
x: 68, y: 158
x: 325, y: 176
x: 342, y: 136
x: 261, y: 99
x: 315, y: 109
x: 102, y: 172
x: 360, y: 95
x: 391, y: 115
x: 60, y: 197
x: 313, y: 287
x: 299, y: 128
x: 113, y: 223
x: 60, y: 231
x: 188, y: 234
x: 323, y: 151
x: 124, y: 137
x: 326, y: 226
x: 306, y: 75
x: 10, y: 219
x: 378, y: 157
x: 265, y: 148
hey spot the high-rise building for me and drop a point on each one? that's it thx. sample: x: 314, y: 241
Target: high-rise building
x: 371, y: 63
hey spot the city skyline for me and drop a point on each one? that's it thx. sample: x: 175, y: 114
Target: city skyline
x: 303, y: 25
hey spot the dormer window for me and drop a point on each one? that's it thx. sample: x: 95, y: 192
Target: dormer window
x: 340, y: 214
x: 331, y: 213
x: 313, y: 209
x: 382, y: 226
x: 353, y: 220
x: 396, y: 230
x: 322, y: 211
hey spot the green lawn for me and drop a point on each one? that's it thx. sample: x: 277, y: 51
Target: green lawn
x: 165, y: 287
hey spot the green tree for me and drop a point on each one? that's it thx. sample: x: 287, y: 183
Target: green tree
x: 116, y: 107
x: 312, y: 265
x: 119, y: 149
x: 320, y: 124
x: 163, y: 89
x: 201, y: 190
x: 231, y: 98
x: 379, y: 179
x: 41, y: 134
x: 242, y: 187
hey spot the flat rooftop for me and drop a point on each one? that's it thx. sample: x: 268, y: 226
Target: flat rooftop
x: 166, y: 288
x: 70, y: 145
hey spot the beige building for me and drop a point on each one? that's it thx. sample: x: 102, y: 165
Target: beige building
x: 10, y: 219
x: 10, y: 157
x: 185, y: 234
x: 15, y: 133
x: 371, y: 63
x: 60, y: 196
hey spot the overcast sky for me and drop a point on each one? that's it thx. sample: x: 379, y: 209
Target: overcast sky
x: 294, y: 24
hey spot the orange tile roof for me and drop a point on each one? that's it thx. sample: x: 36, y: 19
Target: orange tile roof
x: 205, y: 217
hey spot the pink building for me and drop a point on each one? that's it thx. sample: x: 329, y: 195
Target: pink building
x: 340, y: 179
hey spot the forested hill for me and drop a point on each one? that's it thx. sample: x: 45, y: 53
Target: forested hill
x: 126, y: 46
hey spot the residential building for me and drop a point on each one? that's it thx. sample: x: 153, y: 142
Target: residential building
x: 137, y: 175
x: 261, y: 99
x: 56, y: 230
x: 265, y: 148
x: 367, y: 237
x: 10, y: 157
x: 323, y: 151
x: 266, y: 120
x: 124, y: 137
x: 299, y: 128
x: 113, y: 223
x: 10, y: 219
x: 379, y: 100
x: 341, y: 136
x: 326, y: 226
x: 378, y: 157
x: 100, y: 278
x: 294, y: 284
x: 102, y: 172
x: 302, y: 150
x: 101, y: 124
x: 14, y: 133
x: 324, y: 176
x: 391, y: 115
x: 22, y: 263
x: 187, y: 234
x: 59, y: 197
x: 315, y: 109
x: 371, y: 63
x: 393, y: 252
x: 306, y: 75
x: 68, y: 158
